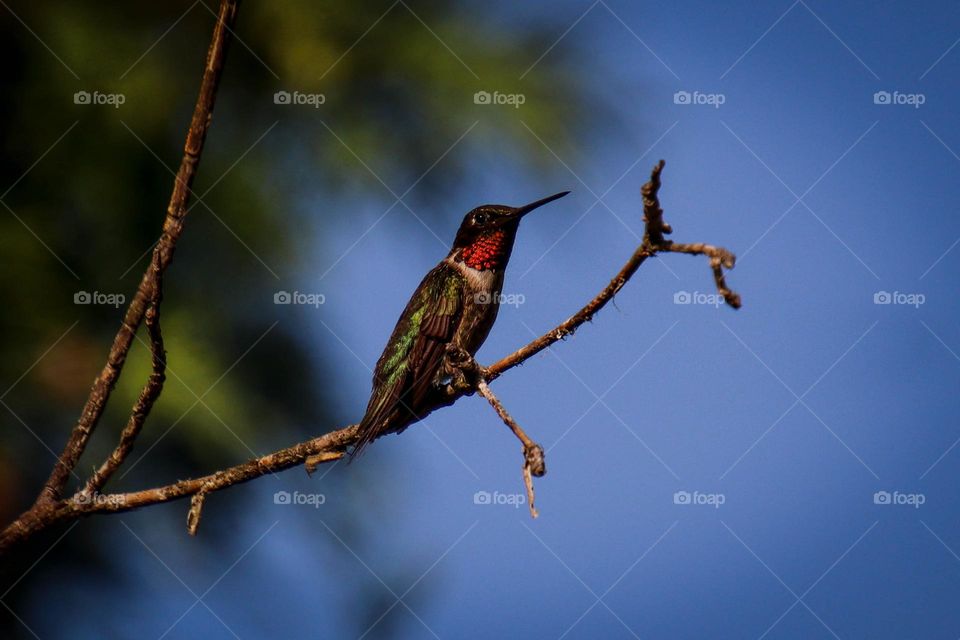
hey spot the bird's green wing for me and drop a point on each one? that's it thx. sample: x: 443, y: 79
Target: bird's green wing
x: 405, y: 372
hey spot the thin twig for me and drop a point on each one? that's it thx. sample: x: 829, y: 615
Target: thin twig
x: 148, y: 395
x: 656, y: 228
x: 195, y: 512
x: 720, y: 259
x: 327, y: 447
x: 533, y: 458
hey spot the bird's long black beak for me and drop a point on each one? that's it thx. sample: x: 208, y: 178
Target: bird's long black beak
x: 524, y: 210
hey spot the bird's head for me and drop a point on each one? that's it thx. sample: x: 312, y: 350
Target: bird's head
x: 486, y: 235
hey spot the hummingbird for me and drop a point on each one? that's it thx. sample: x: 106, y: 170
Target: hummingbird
x: 446, y: 320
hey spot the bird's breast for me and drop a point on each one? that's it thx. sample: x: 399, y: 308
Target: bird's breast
x: 481, y: 302
x: 478, y: 280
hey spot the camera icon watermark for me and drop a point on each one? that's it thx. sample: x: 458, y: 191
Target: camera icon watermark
x: 714, y: 100
x: 696, y: 498
x: 698, y: 297
x: 511, y: 99
x: 299, y: 499
x: 496, y: 498
x: 899, y: 298
x: 297, y: 98
x: 915, y: 100
x: 915, y: 500
x: 512, y: 299
x: 97, y: 498
x: 114, y: 300
x: 97, y: 98
x: 298, y: 297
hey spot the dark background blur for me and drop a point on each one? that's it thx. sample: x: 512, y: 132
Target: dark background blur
x: 785, y: 471
x: 86, y: 186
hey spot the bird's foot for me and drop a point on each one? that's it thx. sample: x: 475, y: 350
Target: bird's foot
x: 458, y: 356
x: 464, y: 371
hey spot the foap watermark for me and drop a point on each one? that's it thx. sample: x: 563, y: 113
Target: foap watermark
x: 97, y: 498
x: 299, y: 297
x: 898, y: 98
x: 512, y: 99
x: 899, y: 297
x: 98, y: 98
x: 497, y: 498
x: 697, y: 498
x: 914, y: 500
x: 512, y: 299
x: 114, y: 300
x: 697, y: 98
x: 698, y: 297
x: 298, y: 98
x: 299, y: 499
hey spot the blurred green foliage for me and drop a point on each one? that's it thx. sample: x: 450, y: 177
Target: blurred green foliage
x: 86, y: 186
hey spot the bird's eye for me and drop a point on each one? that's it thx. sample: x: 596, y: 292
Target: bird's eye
x: 480, y: 218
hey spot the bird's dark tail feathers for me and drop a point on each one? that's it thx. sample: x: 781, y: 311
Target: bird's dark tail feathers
x: 372, y: 426
x: 366, y: 435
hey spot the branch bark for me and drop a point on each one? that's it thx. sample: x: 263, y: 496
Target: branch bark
x: 52, y: 508
x: 151, y: 391
x: 146, y: 298
x: 533, y: 455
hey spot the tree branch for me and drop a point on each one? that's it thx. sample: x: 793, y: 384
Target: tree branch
x: 148, y: 291
x: 51, y: 508
x: 151, y: 391
x: 533, y: 457
x: 146, y: 298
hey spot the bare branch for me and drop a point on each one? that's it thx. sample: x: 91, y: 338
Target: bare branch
x: 162, y: 256
x: 151, y: 391
x: 533, y: 459
x: 333, y: 445
x: 656, y: 229
x: 195, y: 511
x: 326, y: 448
x: 145, y: 301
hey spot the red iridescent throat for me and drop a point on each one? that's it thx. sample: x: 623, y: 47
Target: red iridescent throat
x: 489, y: 251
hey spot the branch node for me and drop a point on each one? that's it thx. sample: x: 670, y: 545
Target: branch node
x: 196, y: 510
x: 311, y: 462
x: 531, y: 496
x: 534, y: 463
x: 534, y: 460
x: 656, y: 229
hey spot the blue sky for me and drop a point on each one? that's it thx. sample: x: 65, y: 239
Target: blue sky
x: 800, y: 414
